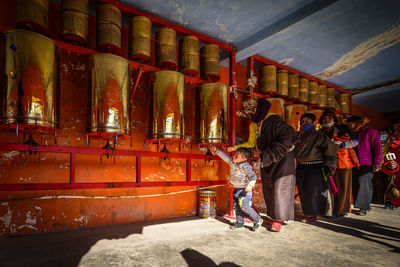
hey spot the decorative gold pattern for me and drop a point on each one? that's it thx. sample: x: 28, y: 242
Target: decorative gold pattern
x: 108, y: 30
x: 189, y: 55
x: 267, y: 79
x: 282, y: 77
x: 75, y: 18
x: 140, y: 42
x: 209, y: 58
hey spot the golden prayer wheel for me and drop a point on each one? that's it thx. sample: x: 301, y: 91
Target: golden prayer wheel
x: 313, y: 94
x: 294, y: 93
x: 108, y: 32
x: 214, y: 113
x: 140, y: 42
x: 110, y: 95
x: 330, y: 97
x: 344, y: 103
x: 75, y: 21
x: 282, y: 82
x: 209, y: 58
x: 33, y: 15
x: 189, y: 55
x: 322, y: 96
x: 166, y: 48
x: 304, y: 85
x: 277, y: 106
x: 268, y: 80
x: 293, y: 115
x: 30, y: 80
x: 168, y: 105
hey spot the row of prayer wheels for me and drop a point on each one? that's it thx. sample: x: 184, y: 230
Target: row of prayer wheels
x: 33, y: 15
x: 31, y: 93
x: 301, y: 90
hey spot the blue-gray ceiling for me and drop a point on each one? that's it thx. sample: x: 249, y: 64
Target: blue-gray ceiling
x: 354, y: 44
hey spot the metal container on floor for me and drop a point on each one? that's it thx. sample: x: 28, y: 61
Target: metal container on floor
x: 209, y: 60
x: 214, y: 113
x: 140, y: 39
x: 207, y: 204
x: 166, y: 48
x: 108, y: 31
x: 75, y: 21
x: 267, y: 80
x: 189, y: 55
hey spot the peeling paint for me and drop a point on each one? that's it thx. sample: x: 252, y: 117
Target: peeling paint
x: 286, y: 61
x: 6, y: 218
x: 10, y: 155
x: 362, y: 52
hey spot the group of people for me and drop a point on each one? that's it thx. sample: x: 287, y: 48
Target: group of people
x: 327, y: 165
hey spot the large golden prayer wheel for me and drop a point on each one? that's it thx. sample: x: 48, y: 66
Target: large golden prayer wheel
x: 293, y: 114
x: 110, y: 95
x: 209, y: 58
x: 330, y: 97
x: 344, y: 103
x: 108, y: 32
x: 166, y: 48
x: 189, y: 55
x: 75, y: 21
x: 267, y: 80
x: 214, y: 113
x: 282, y: 83
x: 30, y: 80
x: 140, y: 39
x: 168, y: 105
x: 322, y: 96
x: 33, y: 15
x: 313, y: 94
x: 304, y: 85
x: 277, y: 106
x: 294, y: 93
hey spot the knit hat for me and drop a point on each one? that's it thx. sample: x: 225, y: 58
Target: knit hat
x: 308, y: 115
x: 328, y: 112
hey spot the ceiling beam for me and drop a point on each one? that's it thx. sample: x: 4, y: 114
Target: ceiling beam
x: 255, y: 43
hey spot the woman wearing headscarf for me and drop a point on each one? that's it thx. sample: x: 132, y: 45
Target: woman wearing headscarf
x: 316, y: 161
x: 275, y: 139
x: 340, y: 204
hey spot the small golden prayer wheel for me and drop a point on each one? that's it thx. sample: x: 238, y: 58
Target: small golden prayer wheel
x: 330, y: 97
x: 166, y: 48
x: 140, y: 39
x: 108, y: 35
x: 267, y: 80
x: 322, y: 96
x: 75, y: 21
x: 282, y: 78
x: 294, y: 93
x: 214, y: 113
x: 209, y: 58
x: 304, y: 85
x: 189, y: 55
x: 33, y: 15
x: 344, y: 102
x: 313, y: 95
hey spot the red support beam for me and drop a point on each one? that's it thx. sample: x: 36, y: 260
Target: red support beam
x: 188, y: 170
x: 138, y: 169
x: 232, y: 100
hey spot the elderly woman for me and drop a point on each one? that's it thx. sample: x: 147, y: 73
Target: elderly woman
x: 275, y: 139
x: 316, y: 160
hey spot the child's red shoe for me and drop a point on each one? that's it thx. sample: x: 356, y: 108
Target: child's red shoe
x: 276, y: 226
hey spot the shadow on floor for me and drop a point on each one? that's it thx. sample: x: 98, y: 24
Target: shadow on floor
x: 195, y: 259
x: 367, y: 230
x: 65, y: 248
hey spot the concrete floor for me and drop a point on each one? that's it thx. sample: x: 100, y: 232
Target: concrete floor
x: 372, y: 240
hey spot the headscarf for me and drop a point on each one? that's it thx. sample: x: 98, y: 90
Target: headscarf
x: 255, y: 109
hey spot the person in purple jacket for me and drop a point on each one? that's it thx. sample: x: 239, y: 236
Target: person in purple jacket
x: 370, y: 156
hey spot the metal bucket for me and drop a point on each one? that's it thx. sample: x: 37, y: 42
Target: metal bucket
x: 313, y: 94
x: 282, y: 78
x: 304, y: 85
x: 294, y: 93
x: 268, y: 80
x: 168, y: 105
x: 33, y: 15
x: 140, y: 39
x: 214, y: 113
x: 293, y: 115
x: 344, y: 103
x: 322, y: 96
x: 207, y: 203
x: 110, y: 95
x: 330, y: 97
x: 30, y: 80
x: 166, y: 48
x: 108, y: 32
x: 209, y: 58
x: 277, y: 106
x: 189, y: 55
x: 75, y: 21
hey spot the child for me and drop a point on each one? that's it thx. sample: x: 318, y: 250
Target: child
x: 243, y: 179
